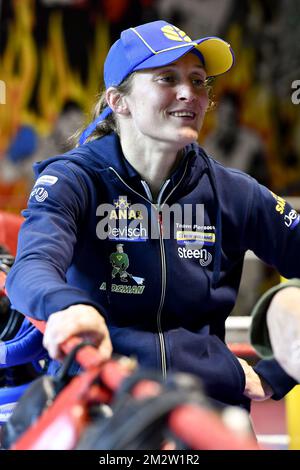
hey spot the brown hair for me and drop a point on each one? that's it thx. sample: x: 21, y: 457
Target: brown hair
x: 109, y: 124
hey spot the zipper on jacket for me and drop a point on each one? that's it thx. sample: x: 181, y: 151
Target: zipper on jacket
x: 162, y: 295
x: 149, y: 193
x: 161, y: 338
x: 163, y: 270
x: 158, y: 208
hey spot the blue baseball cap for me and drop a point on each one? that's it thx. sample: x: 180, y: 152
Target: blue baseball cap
x: 160, y: 43
x: 157, y: 44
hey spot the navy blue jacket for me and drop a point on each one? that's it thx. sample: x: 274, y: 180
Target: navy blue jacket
x: 164, y: 298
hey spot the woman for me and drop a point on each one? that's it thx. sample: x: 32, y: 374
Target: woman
x: 136, y: 238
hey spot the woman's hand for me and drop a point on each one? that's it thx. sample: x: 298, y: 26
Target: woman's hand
x: 80, y: 320
x: 255, y: 388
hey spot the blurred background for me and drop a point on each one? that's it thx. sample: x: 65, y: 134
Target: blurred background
x: 51, y: 60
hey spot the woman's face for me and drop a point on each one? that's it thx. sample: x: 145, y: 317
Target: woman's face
x: 168, y: 104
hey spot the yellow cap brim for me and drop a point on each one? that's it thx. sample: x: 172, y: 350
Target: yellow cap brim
x: 218, y: 55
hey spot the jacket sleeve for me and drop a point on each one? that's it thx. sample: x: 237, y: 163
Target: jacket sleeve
x: 36, y: 284
x: 276, y: 377
x: 273, y: 231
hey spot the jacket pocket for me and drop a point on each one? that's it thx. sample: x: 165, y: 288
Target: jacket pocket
x: 137, y: 343
x: 210, y: 359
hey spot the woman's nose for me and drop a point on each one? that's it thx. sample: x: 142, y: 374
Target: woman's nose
x: 185, y: 93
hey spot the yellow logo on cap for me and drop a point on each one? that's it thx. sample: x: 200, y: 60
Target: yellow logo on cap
x: 175, y: 34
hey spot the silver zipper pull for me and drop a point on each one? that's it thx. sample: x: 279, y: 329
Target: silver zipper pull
x: 147, y: 190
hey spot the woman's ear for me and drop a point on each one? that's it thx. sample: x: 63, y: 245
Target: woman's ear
x: 116, y: 101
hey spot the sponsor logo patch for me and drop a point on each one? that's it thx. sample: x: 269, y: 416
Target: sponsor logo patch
x: 123, y: 211
x: 128, y: 234
x: 124, y: 221
x: 39, y: 194
x: 292, y: 219
x: 280, y: 203
x: 188, y: 236
x: 130, y: 284
x: 46, y: 180
x: 121, y: 289
x: 203, y: 255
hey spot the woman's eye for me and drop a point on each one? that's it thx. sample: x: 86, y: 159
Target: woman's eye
x: 167, y: 79
x: 199, y: 82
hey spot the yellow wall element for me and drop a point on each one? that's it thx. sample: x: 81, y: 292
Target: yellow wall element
x: 26, y: 68
x: 59, y: 83
x: 242, y: 75
x: 292, y: 401
x: 18, y: 70
x: 97, y: 57
x: 54, y: 73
